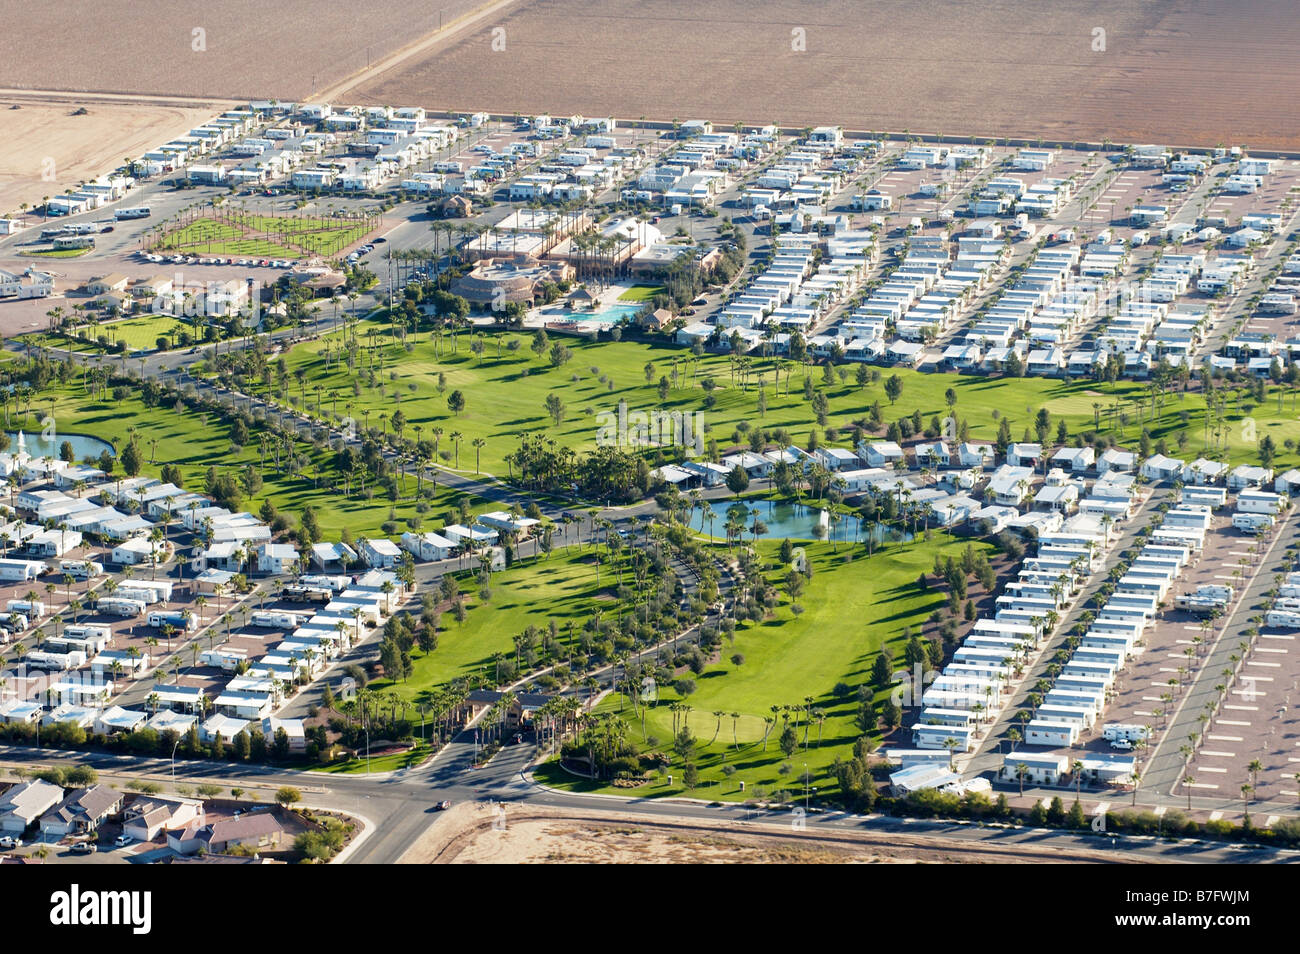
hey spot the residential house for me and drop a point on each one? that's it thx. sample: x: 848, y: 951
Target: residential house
x: 1203, y: 471
x: 25, y: 802
x: 1158, y: 468
x: 115, y: 718
x: 882, y: 453
x: 1039, y: 769
x: 251, y: 830
x: 1075, y: 459
x: 1113, y: 459
x: 82, y: 811
x: 133, y: 552
x: 1288, y: 483
x: 147, y: 817
x: 428, y: 545
x: 1024, y: 455
x: 1009, y: 485
x: 293, y: 729
x: 276, y: 558
x: 975, y: 455
x: 838, y: 458
x: 333, y: 557
x: 379, y: 553
x: 1248, y: 476
x: 113, y: 282
x: 229, y: 726
x: 933, y: 454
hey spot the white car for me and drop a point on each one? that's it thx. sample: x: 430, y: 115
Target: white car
x: 9, y: 841
x: 123, y: 840
x: 1122, y: 745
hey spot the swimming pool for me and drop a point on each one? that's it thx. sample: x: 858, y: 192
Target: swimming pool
x: 616, y: 312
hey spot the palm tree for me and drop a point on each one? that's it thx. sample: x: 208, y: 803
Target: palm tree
x: 1255, y: 767
x: 951, y: 745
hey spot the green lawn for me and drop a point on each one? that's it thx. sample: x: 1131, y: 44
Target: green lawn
x: 141, y: 334
x: 505, y: 395
x: 60, y: 252
x: 850, y: 610
x: 138, y: 334
x: 194, y: 442
x: 265, y: 236
x: 641, y: 293
x: 208, y: 236
x: 563, y: 588
x: 378, y: 763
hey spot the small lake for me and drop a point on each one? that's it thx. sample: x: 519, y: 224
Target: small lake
x: 797, y: 522
x: 82, y: 445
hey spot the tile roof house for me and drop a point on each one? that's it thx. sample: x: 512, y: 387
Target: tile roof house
x: 146, y: 817
x: 254, y: 829
x: 82, y: 811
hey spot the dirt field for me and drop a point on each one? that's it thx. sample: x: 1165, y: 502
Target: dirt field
x: 1173, y: 71
x: 44, y: 138
x: 466, y: 835
x: 247, y: 49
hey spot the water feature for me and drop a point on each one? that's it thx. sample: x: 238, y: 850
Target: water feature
x: 38, y: 446
x: 797, y: 522
x: 612, y: 314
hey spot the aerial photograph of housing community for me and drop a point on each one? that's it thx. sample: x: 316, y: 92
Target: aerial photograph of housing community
x: 556, y: 431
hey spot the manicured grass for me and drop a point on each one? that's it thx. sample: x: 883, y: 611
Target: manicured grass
x: 641, y: 293
x: 141, y: 334
x: 265, y: 236
x: 564, y: 588
x: 506, y: 394
x: 850, y: 610
x: 195, y: 442
x: 138, y: 334
x: 221, y: 238
x: 60, y: 252
x: 378, y: 763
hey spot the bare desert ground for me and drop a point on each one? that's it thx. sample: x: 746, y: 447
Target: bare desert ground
x: 1183, y: 72
x: 48, y: 150
x: 247, y: 48
x: 467, y: 835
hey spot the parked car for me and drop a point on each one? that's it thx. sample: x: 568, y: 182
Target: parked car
x: 9, y: 841
x: 84, y: 848
x: 1122, y: 745
x: 121, y: 841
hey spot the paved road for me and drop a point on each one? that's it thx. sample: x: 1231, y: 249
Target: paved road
x: 401, y: 806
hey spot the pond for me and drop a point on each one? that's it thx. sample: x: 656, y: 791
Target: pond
x: 797, y: 522
x: 39, y: 446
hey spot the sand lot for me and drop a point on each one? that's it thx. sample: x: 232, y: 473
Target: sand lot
x: 44, y: 138
x: 1173, y: 71
x: 247, y: 48
x: 465, y: 835
x: 1181, y: 72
